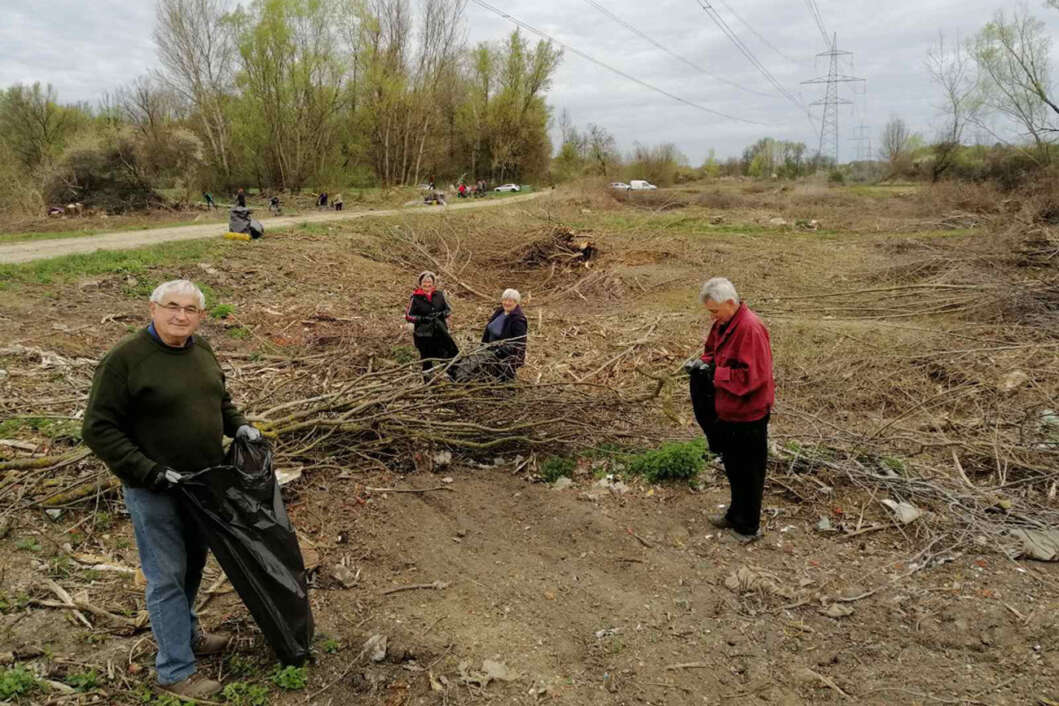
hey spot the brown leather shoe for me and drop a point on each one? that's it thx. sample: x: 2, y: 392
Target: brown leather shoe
x: 210, y: 643
x: 194, y: 687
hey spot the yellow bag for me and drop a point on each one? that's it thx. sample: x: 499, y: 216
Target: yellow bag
x: 237, y: 236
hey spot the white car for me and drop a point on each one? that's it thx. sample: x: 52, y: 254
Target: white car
x: 508, y: 187
x: 641, y: 185
x: 619, y: 185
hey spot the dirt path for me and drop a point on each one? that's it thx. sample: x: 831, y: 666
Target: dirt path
x: 127, y: 240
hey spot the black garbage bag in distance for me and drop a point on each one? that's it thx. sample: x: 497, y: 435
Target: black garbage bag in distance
x: 241, y: 512
x: 239, y: 219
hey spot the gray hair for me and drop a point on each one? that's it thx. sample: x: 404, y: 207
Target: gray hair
x: 178, y: 286
x: 718, y: 290
x: 511, y: 294
x: 427, y: 273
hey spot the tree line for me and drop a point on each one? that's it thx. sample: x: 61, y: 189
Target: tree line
x: 996, y: 85
x: 286, y: 95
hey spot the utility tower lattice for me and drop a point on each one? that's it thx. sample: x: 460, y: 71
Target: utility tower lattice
x: 861, y: 136
x: 831, y: 100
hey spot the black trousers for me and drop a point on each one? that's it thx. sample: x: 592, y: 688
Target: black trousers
x: 435, y: 349
x: 743, y: 447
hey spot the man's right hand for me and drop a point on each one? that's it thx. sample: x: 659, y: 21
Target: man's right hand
x: 165, y: 478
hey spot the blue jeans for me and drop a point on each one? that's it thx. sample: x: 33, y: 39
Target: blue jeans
x: 172, y: 555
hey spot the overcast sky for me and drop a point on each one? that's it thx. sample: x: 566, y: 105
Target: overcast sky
x: 86, y: 48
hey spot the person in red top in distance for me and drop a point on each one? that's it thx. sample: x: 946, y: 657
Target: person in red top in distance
x: 735, y: 375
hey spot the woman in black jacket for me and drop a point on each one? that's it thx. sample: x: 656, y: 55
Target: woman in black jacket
x: 507, y: 330
x: 429, y: 313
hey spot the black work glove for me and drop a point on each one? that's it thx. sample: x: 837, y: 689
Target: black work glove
x: 163, y: 478
x: 697, y: 366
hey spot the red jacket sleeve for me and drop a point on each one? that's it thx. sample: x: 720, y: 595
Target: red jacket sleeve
x: 752, y: 350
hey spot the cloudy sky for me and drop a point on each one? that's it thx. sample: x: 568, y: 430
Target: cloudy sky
x: 85, y: 49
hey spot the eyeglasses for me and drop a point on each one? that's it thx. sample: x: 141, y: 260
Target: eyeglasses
x: 176, y: 308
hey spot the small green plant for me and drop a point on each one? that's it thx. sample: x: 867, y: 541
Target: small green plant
x: 17, y: 681
x: 240, y: 666
x: 836, y: 177
x: 330, y: 645
x: 893, y: 464
x: 240, y: 693
x: 167, y: 700
x: 404, y: 354
x: 674, y: 460
x: 28, y: 544
x: 103, y: 520
x: 291, y: 678
x: 83, y: 681
x: 554, y: 467
x: 239, y: 332
x: 60, y: 566
x: 222, y: 311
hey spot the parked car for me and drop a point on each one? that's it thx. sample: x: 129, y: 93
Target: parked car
x: 641, y: 185
x: 619, y: 185
x: 508, y: 187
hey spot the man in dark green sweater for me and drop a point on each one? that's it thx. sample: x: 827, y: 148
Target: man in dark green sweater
x: 158, y: 409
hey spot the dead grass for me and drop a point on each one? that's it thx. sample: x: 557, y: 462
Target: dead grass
x: 896, y: 355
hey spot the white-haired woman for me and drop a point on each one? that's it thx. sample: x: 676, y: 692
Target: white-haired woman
x: 507, y: 328
x: 429, y: 312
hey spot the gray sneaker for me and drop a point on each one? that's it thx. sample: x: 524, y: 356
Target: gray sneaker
x: 746, y: 538
x: 720, y: 521
x: 194, y: 687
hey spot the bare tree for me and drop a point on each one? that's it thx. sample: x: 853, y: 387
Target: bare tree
x: 1012, y: 58
x: 32, y: 123
x: 896, y: 142
x: 951, y: 68
x: 197, y: 53
x: 602, y: 149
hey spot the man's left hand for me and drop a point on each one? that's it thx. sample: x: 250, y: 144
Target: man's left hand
x: 247, y: 433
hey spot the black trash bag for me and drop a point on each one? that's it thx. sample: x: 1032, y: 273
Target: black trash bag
x: 256, y: 229
x: 239, y: 220
x: 240, y: 510
x: 479, y: 365
x: 702, y: 402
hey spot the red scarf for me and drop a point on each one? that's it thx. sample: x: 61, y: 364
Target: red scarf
x: 429, y: 296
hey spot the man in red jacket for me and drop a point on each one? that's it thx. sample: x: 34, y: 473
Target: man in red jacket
x: 736, y: 367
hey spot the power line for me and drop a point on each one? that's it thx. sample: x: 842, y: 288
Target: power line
x: 757, y: 34
x: 745, y: 51
x: 814, y: 10
x: 608, y: 67
x: 667, y: 50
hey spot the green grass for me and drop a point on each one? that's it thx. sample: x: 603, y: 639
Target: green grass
x: 88, y: 232
x: 136, y: 263
x: 53, y: 428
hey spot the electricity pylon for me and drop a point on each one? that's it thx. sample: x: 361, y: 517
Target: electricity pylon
x: 831, y: 99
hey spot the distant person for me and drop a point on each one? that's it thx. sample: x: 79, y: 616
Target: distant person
x: 461, y: 191
x: 208, y: 197
x: 240, y: 198
x: 337, y: 202
x: 321, y: 202
x: 507, y: 328
x: 429, y: 313
x: 430, y: 183
x: 733, y: 391
x: 273, y: 205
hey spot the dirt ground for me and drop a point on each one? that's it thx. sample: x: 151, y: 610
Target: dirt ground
x: 896, y: 330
